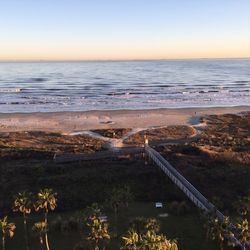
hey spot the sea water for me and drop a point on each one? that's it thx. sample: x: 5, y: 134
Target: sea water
x: 108, y: 85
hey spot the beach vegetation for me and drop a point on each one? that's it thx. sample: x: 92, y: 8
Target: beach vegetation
x: 7, y: 230
x: 46, y: 201
x: 40, y: 229
x: 23, y: 204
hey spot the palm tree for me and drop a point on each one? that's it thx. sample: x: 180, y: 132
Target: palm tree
x: 243, y: 232
x: 93, y: 211
x: 243, y: 205
x: 217, y: 230
x: 126, y: 195
x: 6, y: 229
x: 142, y: 225
x: 120, y: 196
x: 23, y: 204
x: 138, y: 225
x: 143, y: 236
x: 152, y: 241
x: 98, y: 231
x: 152, y: 224
x: 46, y: 201
x: 116, y: 199
x: 132, y: 241
x: 41, y: 229
x: 166, y: 244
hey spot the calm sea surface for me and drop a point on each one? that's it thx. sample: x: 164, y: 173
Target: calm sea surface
x: 79, y: 86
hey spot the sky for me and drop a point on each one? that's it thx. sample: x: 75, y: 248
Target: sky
x: 124, y: 29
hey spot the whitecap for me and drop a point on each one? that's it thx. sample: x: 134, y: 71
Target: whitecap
x: 10, y: 90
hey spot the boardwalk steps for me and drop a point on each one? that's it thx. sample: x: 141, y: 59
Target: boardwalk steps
x: 191, y: 192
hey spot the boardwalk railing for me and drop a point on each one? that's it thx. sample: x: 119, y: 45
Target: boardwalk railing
x: 191, y: 192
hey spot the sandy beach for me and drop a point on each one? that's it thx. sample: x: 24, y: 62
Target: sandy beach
x: 66, y: 122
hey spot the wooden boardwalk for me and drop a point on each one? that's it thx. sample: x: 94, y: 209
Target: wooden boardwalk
x: 190, y: 191
x: 66, y: 158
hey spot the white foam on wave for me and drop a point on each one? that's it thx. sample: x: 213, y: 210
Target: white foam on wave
x: 10, y: 90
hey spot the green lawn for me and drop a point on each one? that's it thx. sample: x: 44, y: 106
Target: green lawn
x: 187, y: 229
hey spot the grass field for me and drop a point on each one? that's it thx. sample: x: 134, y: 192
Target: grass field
x: 187, y: 229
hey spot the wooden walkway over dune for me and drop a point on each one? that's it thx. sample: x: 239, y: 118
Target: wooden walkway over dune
x: 189, y: 190
x: 182, y: 183
x: 116, y: 152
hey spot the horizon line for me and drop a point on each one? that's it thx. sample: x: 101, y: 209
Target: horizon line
x: 110, y: 60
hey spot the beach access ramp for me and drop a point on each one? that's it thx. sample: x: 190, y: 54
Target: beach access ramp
x: 189, y: 190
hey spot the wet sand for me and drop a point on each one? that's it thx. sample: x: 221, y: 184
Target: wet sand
x: 67, y: 122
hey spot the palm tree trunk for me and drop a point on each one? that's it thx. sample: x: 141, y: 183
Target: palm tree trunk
x: 221, y: 245
x: 47, y: 241
x: 116, y: 219
x: 46, y: 234
x: 243, y: 246
x: 3, y: 242
x: 126, y: 204
x: 26, y: 230
x: 96, y: 245
x: 41, y: 242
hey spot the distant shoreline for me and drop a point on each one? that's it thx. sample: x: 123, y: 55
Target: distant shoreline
x: 65, y: 122
x: 118, y: 60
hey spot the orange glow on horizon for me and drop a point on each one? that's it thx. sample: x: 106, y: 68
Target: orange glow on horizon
x: 126, y: 51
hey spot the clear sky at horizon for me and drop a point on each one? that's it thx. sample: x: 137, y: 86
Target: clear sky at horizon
x: 129, y: 29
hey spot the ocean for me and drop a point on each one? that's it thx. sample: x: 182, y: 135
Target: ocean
x: 111, y: 85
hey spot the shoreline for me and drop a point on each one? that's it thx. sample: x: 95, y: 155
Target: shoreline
x: 72, y: 121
